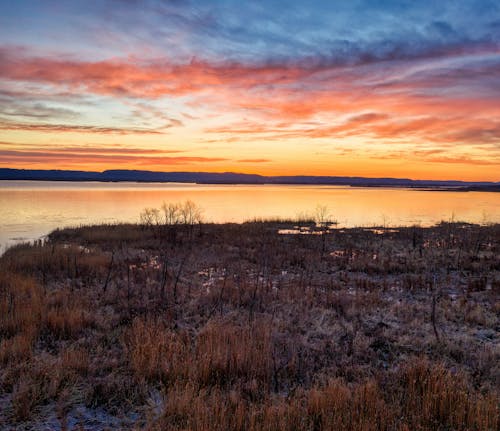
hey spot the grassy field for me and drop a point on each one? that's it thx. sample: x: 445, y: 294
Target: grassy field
x: 264, y: 325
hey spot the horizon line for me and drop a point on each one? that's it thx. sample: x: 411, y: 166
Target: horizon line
x: 297, y: 176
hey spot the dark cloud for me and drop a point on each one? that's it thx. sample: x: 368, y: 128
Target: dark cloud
x: 40, y: 111
x: 338, y: 32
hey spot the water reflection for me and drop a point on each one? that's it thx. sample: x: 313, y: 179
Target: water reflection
x: 29, y: 210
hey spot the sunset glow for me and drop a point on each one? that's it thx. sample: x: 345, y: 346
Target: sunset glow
x: 376, y: 89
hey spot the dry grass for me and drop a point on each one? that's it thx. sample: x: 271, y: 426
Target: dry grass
x: 226, y: 353
x: 435, y: 398
x: 237, y: 327
x: 67, y: 315
x: 156, y: 353
x: 22, y: 308
x: 429, y: 399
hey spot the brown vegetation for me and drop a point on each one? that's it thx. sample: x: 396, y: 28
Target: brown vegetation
x: 181, y: 325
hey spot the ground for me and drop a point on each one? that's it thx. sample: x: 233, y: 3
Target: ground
x: 257, y: 326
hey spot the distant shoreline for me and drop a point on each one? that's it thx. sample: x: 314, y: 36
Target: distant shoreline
x: 493, y: 188
x: 231, y: 178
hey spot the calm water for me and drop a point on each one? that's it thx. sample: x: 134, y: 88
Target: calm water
x: 31, y: 209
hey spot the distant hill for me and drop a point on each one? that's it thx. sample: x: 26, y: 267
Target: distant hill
x: 234, y: 178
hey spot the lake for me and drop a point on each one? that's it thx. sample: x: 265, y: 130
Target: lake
x: 31, y: 209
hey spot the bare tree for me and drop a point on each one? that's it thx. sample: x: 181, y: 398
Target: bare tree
x: 171, y: 213
x: 322, y: 218
x: 190, y: 214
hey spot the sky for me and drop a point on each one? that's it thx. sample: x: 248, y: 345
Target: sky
x: 353, y: 88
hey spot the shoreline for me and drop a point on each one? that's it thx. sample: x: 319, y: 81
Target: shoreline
x: 233, y: 178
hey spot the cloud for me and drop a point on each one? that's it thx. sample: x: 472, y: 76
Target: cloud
x: 70, y: 128
x: 8, y: 157
x: 440, y: 156
x: 132, y: 77
x: 87, y: 149
x: 340, y: 32
x: 40, y: 111
x: 472, y: 133
x: 464, y: 160
x: 254, y: 160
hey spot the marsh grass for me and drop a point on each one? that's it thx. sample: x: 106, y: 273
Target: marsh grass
x: 238, y: 327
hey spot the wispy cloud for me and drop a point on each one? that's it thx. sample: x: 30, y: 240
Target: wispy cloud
x: 397, y: 101
x: 87, y: 149
x: 56, y: 157
x: 254, y: 160
x: 71, y: 128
